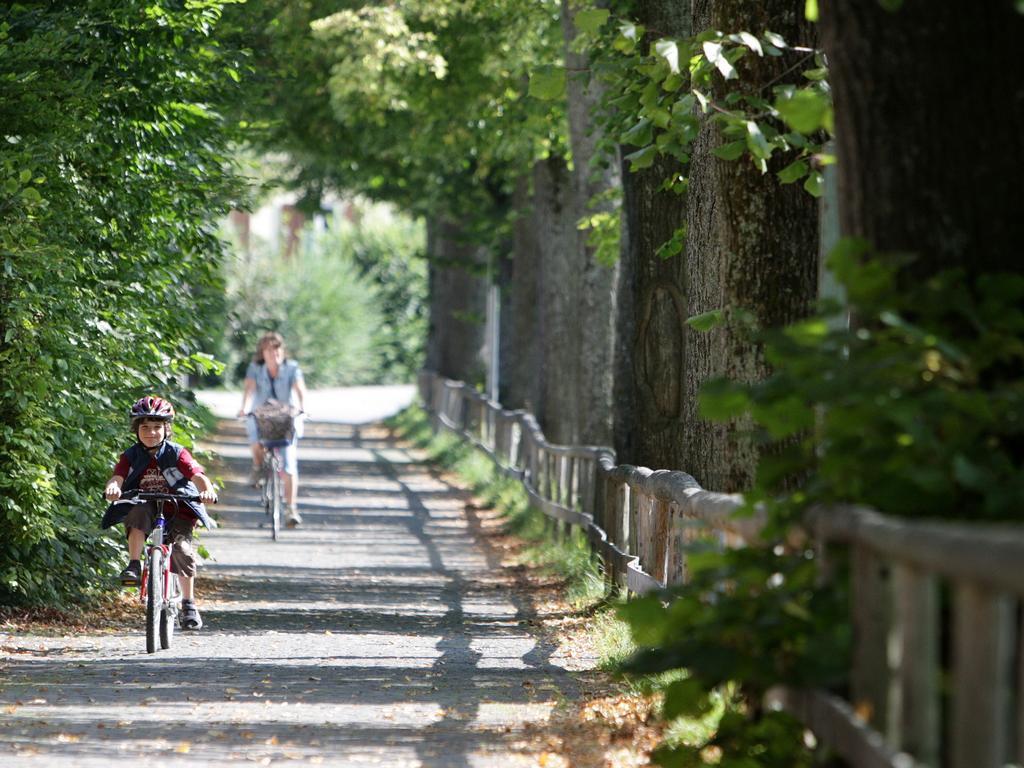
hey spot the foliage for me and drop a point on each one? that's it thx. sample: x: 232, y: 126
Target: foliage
x: 660, y: 89
x: 419, y: 103
x: 111, y: 173
x: 387, y: 251
x: 754, y: 616
x: 351, y: 303
x: 655, y: 96
x: 316, y: 299
x: 915, y: 408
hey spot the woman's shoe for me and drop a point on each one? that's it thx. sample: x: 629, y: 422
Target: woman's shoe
x: 293, y: 519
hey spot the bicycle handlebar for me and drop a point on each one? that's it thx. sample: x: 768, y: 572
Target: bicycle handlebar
x: 139, y: 497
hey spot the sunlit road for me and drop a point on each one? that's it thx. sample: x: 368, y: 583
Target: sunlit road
x: 382, y: 632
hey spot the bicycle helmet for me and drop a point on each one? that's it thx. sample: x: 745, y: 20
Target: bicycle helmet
x: 151, y: 408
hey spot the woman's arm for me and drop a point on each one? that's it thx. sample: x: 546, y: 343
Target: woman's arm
x: 250, y: 387
x: 300, y: 392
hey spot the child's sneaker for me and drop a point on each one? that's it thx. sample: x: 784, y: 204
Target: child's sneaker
x: 190, y: 618
x: 255, y: 476
x: 293, y: 518
x: 132, y: 574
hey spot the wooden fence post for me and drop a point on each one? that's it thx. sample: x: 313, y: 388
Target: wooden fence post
x: 982, y: 663
x: 914, y: 703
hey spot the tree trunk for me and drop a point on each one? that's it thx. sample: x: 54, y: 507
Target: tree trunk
x: 520, y: 312
x: 458, y: 304
x: 557, y: 241
x: 929, y: 105
x: 598, y: 283
x: 752, y: 244
x: 652, y: 306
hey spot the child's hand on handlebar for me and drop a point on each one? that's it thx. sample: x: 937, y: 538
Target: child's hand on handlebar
x: 208, y: 497
x: 112, y: 492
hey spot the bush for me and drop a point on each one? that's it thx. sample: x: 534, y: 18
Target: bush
x: 350, y: 304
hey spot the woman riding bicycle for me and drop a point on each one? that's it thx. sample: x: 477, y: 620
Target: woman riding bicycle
x: 271, y: 375
x: 158, y: 465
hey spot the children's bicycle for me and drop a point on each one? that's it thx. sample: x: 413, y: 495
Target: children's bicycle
x: 160, y: 590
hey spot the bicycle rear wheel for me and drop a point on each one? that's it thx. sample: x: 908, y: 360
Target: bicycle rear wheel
x: 154, y: 597
x: 275, y: 504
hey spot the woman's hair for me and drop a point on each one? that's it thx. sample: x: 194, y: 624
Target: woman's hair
x: 269, y: 339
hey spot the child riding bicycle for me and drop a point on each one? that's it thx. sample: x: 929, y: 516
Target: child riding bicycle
x: 158, y: 465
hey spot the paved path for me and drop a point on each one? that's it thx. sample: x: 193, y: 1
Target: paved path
x: 380, y: 633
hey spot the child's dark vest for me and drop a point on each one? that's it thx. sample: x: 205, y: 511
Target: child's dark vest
x: 167, y: 460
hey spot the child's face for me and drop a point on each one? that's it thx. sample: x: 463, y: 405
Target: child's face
x: 152, y: 432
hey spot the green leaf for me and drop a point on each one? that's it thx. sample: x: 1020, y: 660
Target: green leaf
x: 751, y: 42
x: 813, y: 183
x: 669, y: 51
x: 642, y: 158
x: 547, y: 83
x: 706, y: 320
x: 686, y: 698
x: 640, y: 135
x: 590, y: 20
x: 714, y: 54
x: 31, y: 195
x: 756, y: 142
x: 721, y: 400
x: 806, y: 110
x: 793, y: 172
x: 891, y: 5
x: 730, y: 151
x: 811, y: 10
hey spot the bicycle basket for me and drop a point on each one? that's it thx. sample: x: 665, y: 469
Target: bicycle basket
x: 275, y: 420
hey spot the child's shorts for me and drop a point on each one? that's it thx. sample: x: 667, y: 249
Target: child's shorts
x: 288, y: 453
x: 179, y: 531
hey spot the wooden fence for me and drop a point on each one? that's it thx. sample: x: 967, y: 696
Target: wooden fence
x: 937, y: 672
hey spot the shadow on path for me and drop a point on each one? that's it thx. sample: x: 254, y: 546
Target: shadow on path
x: 381, y: 632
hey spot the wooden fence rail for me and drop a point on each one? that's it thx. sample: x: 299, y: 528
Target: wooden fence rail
x: 937, y: 674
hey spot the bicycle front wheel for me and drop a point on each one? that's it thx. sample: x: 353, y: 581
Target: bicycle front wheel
x: 275, y: 504
x: 154, y: 597
x: 169, y: 614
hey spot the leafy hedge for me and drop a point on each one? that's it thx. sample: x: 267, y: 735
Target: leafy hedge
x: 351, y: 302
x: 112, y: 174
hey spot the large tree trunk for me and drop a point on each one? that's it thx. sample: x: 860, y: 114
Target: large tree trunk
x: 652, y: 306
x: 520, y: 309
x: 929, y: 105
x: 598, y: 283
x: 557, y: 241
x: 752, y: 244
x: 458, y: 304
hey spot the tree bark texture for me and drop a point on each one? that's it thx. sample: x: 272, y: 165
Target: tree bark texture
x: 652, y: 304
x: 559, y: 323
x: 598, y: 283
x: 752, y: 244
x: 458, y: 304
x: 929, y: 105
x: 520, y: 311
